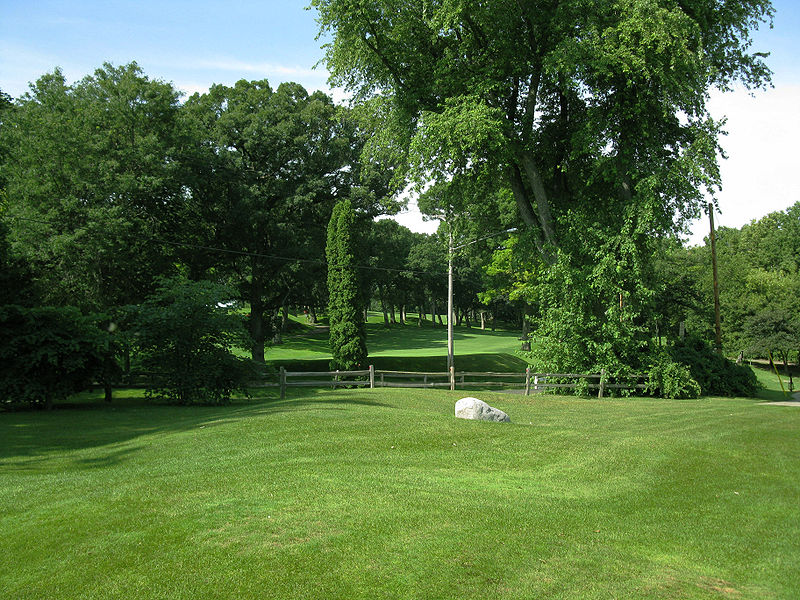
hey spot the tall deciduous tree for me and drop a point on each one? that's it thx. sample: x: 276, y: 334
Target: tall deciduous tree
x: 348, y: 338
x: 276, y: 162
x: 598, y: 108
x: 592, y: 114
x: 90, y: 179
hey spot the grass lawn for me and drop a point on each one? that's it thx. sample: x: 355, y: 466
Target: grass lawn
x: 406, y: 348
x: 384, y: 494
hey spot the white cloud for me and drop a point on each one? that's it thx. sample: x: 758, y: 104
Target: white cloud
x: 240, y: 66
x: 759, y: 175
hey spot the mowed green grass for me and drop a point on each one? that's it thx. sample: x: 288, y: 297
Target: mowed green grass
x: 406, y: 348
x: 384, y: 494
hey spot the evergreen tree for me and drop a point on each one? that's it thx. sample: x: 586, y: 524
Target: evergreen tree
x: 348, y: 339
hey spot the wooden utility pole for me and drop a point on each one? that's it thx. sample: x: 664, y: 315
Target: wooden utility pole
x: 450, y: 349
x: 717, y: 323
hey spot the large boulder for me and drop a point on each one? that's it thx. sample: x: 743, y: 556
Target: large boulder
x: 478, y: 410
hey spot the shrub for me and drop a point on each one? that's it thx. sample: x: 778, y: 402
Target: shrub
x: 716, y: 375
x: 185, y: 335
x: 669, y: 379
x: 48, y: 353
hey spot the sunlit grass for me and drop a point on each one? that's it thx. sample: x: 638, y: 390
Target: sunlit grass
x: 383, y: 494
x: 404, y: 347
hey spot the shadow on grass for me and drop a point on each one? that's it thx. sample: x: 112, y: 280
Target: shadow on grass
x: 771, y: 386
x: 410, y: 337
x: 397, y: 339
x: 29, y: 437
x: 492, y: 362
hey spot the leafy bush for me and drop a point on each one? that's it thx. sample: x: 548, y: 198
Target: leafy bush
x: 716, y: 375
x: 185, y: 335
x: 48, y: 353
x: 669, y: 379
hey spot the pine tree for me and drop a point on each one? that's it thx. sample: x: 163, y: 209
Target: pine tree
x: 348, y: 339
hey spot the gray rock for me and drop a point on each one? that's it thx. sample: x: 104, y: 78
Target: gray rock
x: 478, y: 410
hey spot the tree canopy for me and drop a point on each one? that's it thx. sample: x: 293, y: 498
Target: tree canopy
x: 586, y: 109
x: 592, y: 116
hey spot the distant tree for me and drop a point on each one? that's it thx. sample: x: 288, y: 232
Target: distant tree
x: 427, y: 258
x: 16, y: 278
x: 774, y: 333
x: 348, y: 340
x: 389, y: 244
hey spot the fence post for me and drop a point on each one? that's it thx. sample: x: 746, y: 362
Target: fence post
x: 382, y: 383
x: 371, y: 377
x: 335, y: 380
x: 452, y: 379
x: 527, y: 381
x: 602, y: 383
x: 283, y: 383
x: 535, y: 383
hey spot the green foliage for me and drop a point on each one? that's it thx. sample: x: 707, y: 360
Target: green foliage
x: 48, y: 353
x: 716, y: 375
x: 91, y: 178
x: 265, y: 169
x: 669, y: 379
x: 773, y: 330
x: 591, y: 310
x: 592, y: 117
x: 348, y: 339
x: 184, y: 336
x: 16, y: 279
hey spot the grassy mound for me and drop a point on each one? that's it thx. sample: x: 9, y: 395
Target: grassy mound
x: 383, y: 494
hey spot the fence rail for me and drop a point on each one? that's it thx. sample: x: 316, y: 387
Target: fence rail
x: 529, y: 381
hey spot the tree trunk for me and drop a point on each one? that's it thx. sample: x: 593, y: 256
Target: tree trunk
x: 483, y: 321
x: 403, y: 314
x: 257, y: 328
x: 382, y: 294
x: 107, y: 391
x: 785, y: 356
x: 313, y: 315
x: 525, y: 330
x: 277, y: 337
x: 126, y: 359
x: 433, y: 311
x: 466, y: 319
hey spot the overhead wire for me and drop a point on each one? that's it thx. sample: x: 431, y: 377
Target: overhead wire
x: 257, y: 254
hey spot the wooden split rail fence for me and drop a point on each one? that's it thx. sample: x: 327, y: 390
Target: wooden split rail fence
x: 528, y: 381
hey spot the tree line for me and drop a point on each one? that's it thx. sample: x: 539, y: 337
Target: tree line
x: 580, y: 132
x: 116, y: 193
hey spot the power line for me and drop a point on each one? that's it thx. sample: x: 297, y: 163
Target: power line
x: 254, y: 254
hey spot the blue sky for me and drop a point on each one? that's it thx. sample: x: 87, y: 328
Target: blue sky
x: 194, y: 44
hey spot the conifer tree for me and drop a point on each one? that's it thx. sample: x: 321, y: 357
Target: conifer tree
x: 348, y: 340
